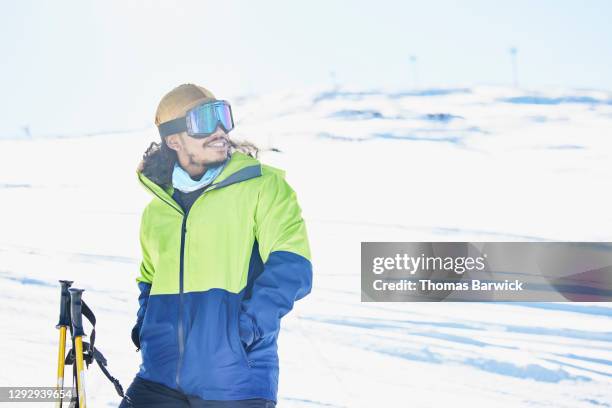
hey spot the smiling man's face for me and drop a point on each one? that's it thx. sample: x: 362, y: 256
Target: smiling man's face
x: 196, y: 155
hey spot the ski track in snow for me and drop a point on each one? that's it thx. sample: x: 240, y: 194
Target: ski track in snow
x: 468, y: 164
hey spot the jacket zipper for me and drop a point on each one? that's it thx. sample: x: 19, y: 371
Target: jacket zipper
x: 180, y: 329
x: 181, y: 334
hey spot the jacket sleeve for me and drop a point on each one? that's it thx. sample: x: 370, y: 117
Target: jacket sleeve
x: 287, y: 272
x: 144, y: 281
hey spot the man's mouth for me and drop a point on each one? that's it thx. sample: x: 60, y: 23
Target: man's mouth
x: 217, y: 143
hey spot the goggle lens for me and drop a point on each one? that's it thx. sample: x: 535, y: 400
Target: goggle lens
x: 203, y: 120
x: 224, y: 114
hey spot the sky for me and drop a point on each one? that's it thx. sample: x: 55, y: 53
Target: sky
x: 95, y: 66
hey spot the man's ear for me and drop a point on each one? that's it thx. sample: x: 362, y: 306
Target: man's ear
x: 174, y: 142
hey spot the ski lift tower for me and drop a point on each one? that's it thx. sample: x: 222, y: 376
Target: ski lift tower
x: 415, y: 76
x: 513, y: 52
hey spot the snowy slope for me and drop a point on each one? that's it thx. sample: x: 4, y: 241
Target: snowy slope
x: 477, y: 164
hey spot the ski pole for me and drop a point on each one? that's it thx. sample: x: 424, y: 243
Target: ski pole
x: 62, y: 325
x: 77, y: 332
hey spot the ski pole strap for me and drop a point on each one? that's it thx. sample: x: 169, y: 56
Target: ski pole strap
x: 102, y: 364
x: 92, y: 319
x: 91, y: 353
x: 99, y: 358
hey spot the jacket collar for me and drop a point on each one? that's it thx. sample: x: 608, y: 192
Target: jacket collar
x: 241, y: 167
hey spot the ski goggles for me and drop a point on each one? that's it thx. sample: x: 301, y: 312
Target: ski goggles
x: 201, y: 121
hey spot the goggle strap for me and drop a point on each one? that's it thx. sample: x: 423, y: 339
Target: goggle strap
x: 173, y: 126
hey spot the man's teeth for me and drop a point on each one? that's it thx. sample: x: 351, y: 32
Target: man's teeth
x: 219, y: 143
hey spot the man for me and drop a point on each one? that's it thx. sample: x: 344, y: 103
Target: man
x: 225, y: 255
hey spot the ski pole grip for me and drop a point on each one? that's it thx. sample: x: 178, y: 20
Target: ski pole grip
x: 76, y: 304
x: 64, y: 317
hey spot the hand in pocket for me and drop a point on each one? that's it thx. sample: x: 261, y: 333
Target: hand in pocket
x: 248, y: 331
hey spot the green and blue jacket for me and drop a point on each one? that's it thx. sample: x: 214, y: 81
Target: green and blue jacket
x: 215, y: 282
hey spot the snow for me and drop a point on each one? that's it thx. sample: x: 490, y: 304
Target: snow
x: 469, y: 164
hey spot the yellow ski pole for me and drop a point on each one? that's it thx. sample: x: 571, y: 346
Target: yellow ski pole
x: 78, y: 333
x: 64, y: 322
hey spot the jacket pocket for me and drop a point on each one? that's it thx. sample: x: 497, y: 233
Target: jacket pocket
x: 238, y: 340
x: 158, y: 345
